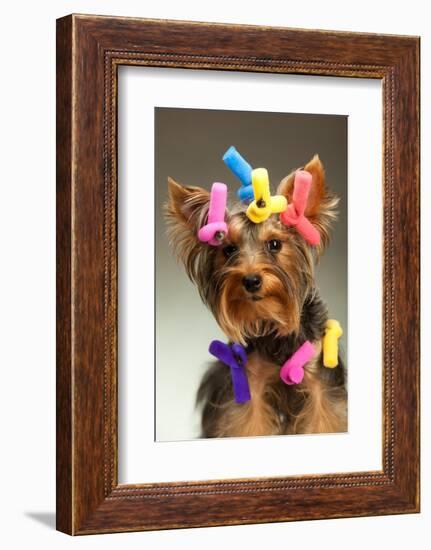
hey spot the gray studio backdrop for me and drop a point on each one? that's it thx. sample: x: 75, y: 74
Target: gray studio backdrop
x: 189, y: 145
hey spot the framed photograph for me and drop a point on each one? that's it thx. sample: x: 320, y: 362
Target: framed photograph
x: 237, y: 274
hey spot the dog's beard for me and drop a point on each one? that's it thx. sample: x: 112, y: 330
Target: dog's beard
x: 275, y: 309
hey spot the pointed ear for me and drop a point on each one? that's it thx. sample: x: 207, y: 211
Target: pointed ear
x: 321, y: 203
x: 186, y: 205
x: 318, y: 186
x: 317, y: 191
x: 186, y: 211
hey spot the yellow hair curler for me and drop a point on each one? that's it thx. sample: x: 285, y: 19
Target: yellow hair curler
x: 263, y: 205
x: 333, y: 331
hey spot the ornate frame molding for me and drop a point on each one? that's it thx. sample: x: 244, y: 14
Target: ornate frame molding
x: 90, y: 49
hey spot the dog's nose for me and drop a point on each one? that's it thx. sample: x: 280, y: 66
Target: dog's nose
x: 252, y: 282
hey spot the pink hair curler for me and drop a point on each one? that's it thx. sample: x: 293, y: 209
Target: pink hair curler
x: 292, y: 372
x: 294, y: 214
x: 215, y: 231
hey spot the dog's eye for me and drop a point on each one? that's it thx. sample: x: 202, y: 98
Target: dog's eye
x: 274, y: 245
x: 229, y: 250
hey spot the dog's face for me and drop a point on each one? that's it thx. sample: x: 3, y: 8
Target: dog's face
x: 256, y: 281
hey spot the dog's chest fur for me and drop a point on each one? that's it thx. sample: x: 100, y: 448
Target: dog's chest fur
x: 317, y: 405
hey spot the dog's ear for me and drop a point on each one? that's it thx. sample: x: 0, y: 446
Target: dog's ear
x: 321, y: 203
x: 186, y: 211
x: 317, y: 190
x: 187, y: 205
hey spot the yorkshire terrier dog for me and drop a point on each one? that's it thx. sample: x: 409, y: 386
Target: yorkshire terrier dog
x: 260, y: 287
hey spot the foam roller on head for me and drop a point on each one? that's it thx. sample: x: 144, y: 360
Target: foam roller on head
x: 215, y: 230
x: 242, y: 170
x: 245, y: 194
x: 263, y: 205
x: 294, y: 215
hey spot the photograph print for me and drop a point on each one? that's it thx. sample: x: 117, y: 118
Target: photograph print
x: 251, y: 273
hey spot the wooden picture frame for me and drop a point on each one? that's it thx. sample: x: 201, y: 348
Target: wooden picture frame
x: 89, y: 52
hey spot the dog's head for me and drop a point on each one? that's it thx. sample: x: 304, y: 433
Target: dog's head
x: 255, y: 283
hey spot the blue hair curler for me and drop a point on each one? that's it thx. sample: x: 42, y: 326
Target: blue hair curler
x: 242, y: 170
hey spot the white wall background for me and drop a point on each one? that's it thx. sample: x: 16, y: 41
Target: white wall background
x: 27, y: 280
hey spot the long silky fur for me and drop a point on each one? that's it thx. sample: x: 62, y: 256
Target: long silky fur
x: 272, y: 329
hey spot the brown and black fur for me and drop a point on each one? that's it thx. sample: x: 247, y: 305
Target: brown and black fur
x: 272, y: 322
